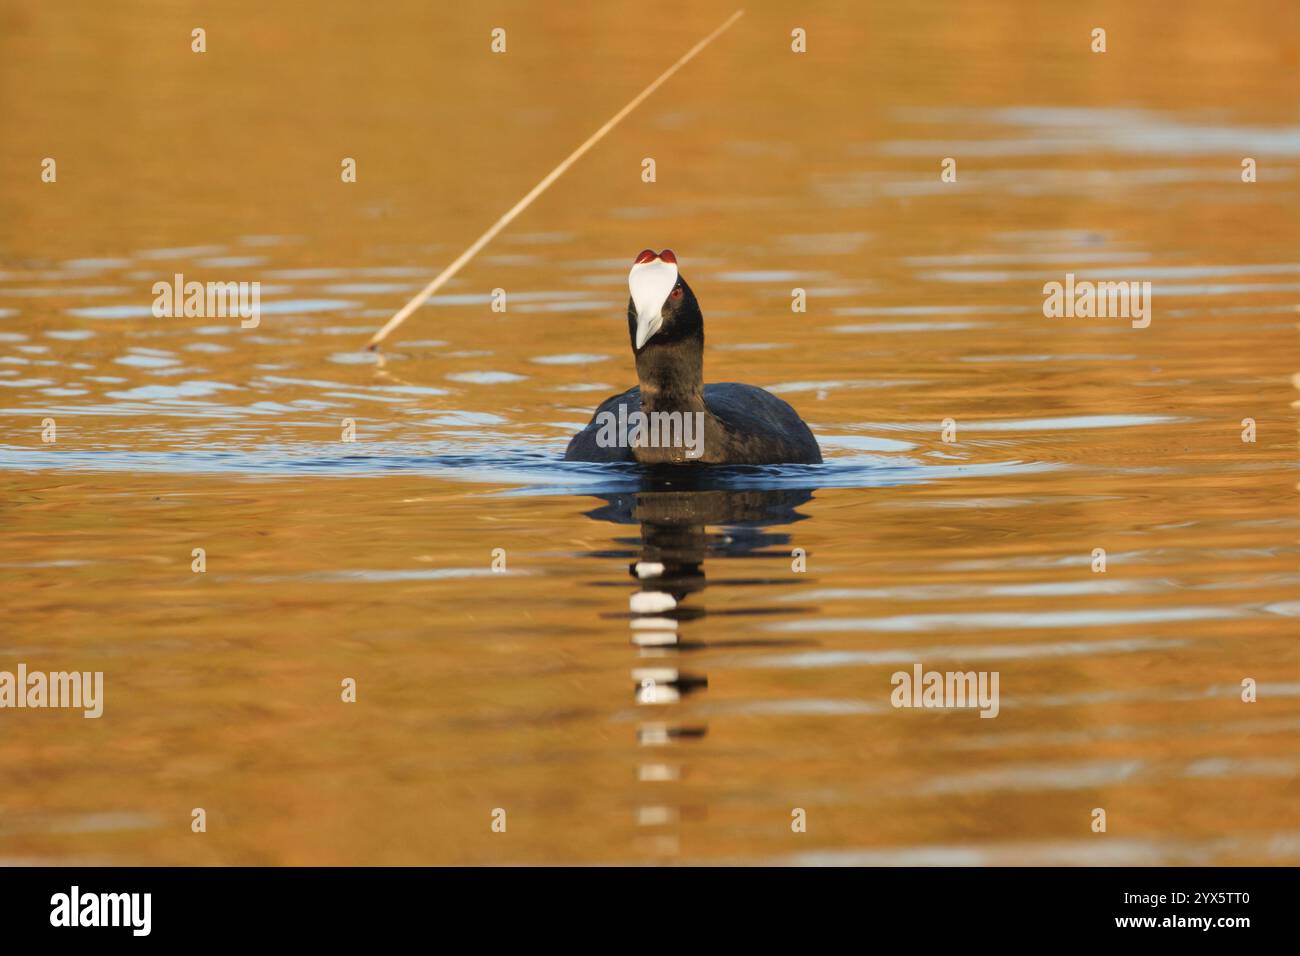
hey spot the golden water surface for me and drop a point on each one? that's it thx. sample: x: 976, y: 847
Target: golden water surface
x: 800, y: 591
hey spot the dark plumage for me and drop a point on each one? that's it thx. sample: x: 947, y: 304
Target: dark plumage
x: 742, y: 424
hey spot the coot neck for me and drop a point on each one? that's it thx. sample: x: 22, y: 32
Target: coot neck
x: 671, y: 375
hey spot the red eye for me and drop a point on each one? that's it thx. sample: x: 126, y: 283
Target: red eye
x: 677, y: 292
x: 645, y: 256
x: 667, y: 256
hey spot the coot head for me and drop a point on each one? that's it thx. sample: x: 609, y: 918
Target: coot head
x: 662, y: 308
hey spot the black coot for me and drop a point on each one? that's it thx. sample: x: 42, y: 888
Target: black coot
x: 681, y: 420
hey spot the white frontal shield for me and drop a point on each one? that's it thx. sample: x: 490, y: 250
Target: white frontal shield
x: 650, y: 284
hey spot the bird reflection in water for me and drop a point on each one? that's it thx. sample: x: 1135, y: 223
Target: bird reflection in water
x: 667, y: 564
